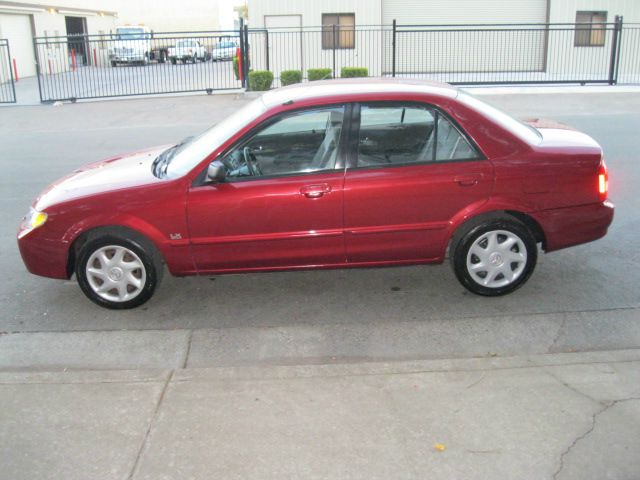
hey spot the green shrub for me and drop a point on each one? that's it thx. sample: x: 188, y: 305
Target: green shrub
x: 319, y: 74
x: 351, y: 72
x: 260, y: 80
x: 289, y: 77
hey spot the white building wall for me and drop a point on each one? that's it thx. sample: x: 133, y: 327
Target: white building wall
x: 285, y: 52
x: 594, y: 59
x: 439, y: 50
x: 463, y: 11
x: 367, y: 12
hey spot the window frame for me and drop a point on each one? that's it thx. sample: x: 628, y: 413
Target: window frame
x: 327, y: 40
x: 354, y: 138
x: 582, y: 28
x: 341, y: 154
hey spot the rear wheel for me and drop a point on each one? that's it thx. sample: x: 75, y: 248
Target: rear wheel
x: 495, y: 257
x: 118, y: 273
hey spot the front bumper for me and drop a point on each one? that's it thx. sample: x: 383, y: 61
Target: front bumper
x: 126, y: 58
x: 44, y: 256
x: 565, y: 227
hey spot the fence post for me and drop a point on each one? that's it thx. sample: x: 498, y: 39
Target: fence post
x: 13, y: 85
x: 619, y: 49
x: 266, y: 45
x: 393, y: 50
x: 333, y: 44
x: 241, y: 59
x: 245, y: 62
x: 38, y: 67
x: 613, y: 60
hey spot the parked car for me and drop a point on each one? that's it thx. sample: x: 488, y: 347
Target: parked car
x: 224, y: 51
x: 188, y: 50
x: 342, y: 173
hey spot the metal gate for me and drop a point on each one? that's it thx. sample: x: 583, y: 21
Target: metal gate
x: 135, y: 63
x: 7, y: 87
x: 508, y: 54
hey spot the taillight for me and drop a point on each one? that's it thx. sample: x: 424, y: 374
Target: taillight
x: 603, y: 181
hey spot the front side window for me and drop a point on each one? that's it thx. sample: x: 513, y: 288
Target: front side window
x: 590, y: 29
x: 302, y: 142
x: 338, y: 30
x: 406, y: 134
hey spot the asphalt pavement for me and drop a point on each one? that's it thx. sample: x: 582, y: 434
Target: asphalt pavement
x: 377, y: 373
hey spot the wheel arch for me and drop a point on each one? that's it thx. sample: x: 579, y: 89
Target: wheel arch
x: 463, y: 227
x: 113, y: 230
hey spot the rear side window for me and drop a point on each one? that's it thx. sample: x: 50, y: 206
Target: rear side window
x: 406, y: 134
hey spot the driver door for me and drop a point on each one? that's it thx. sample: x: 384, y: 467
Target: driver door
x: 280, y: 205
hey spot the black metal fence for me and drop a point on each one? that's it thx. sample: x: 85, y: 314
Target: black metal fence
x: 7, y: 87
x: 93, y: 66
x: 508, y: 54
x: 330, y: 47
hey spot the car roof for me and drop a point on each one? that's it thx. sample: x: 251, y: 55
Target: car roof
x: 351, y: 86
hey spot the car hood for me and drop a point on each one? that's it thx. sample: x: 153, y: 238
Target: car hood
x: 105, y: 176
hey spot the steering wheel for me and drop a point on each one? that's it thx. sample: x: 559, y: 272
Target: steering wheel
x: 251, y: 161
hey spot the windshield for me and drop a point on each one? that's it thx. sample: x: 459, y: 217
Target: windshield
x: 192, y: 152
x: 186, y: 43
x: 506, y: 121
x: 130, y: 33
x: 226, y: 45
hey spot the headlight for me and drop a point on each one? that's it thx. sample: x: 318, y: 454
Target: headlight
x: 31, y: 221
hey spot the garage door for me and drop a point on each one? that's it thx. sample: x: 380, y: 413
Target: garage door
x: 17, y: 29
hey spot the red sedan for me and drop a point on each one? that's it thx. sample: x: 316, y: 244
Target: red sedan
x: 356, y: 173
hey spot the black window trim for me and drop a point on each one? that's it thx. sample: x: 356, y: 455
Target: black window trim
x: 200, y: 179
x: 352, y: 157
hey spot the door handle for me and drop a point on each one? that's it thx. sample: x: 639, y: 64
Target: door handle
x: 315, y: 191
x: 467, y: 180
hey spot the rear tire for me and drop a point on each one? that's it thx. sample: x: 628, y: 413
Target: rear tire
x: 117, y: 272
x: 495, y: 257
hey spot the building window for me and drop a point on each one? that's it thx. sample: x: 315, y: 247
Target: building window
x: 590, y: 29
x: 344, y: 35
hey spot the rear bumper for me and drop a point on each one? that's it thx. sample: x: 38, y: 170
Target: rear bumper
x: 565, y: 227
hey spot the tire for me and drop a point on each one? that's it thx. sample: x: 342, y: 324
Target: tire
x: 495, y: 257
x: 114, y: 63
x: 132, y: 268
x: 174, y: 61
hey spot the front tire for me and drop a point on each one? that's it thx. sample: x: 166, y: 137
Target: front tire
x: 495, y: 257
x: 117, y: 272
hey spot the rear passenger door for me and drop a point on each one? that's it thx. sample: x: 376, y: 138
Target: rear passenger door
x: 413, y: 170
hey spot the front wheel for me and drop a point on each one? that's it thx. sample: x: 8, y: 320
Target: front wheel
x: 118, y: 273
x: 495, y: 257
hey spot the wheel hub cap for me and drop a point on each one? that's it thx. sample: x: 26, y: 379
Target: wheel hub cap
x: 116, y: 273
x: 496, y: 259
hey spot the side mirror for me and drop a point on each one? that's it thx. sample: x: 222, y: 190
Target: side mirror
x: 216, y: 172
